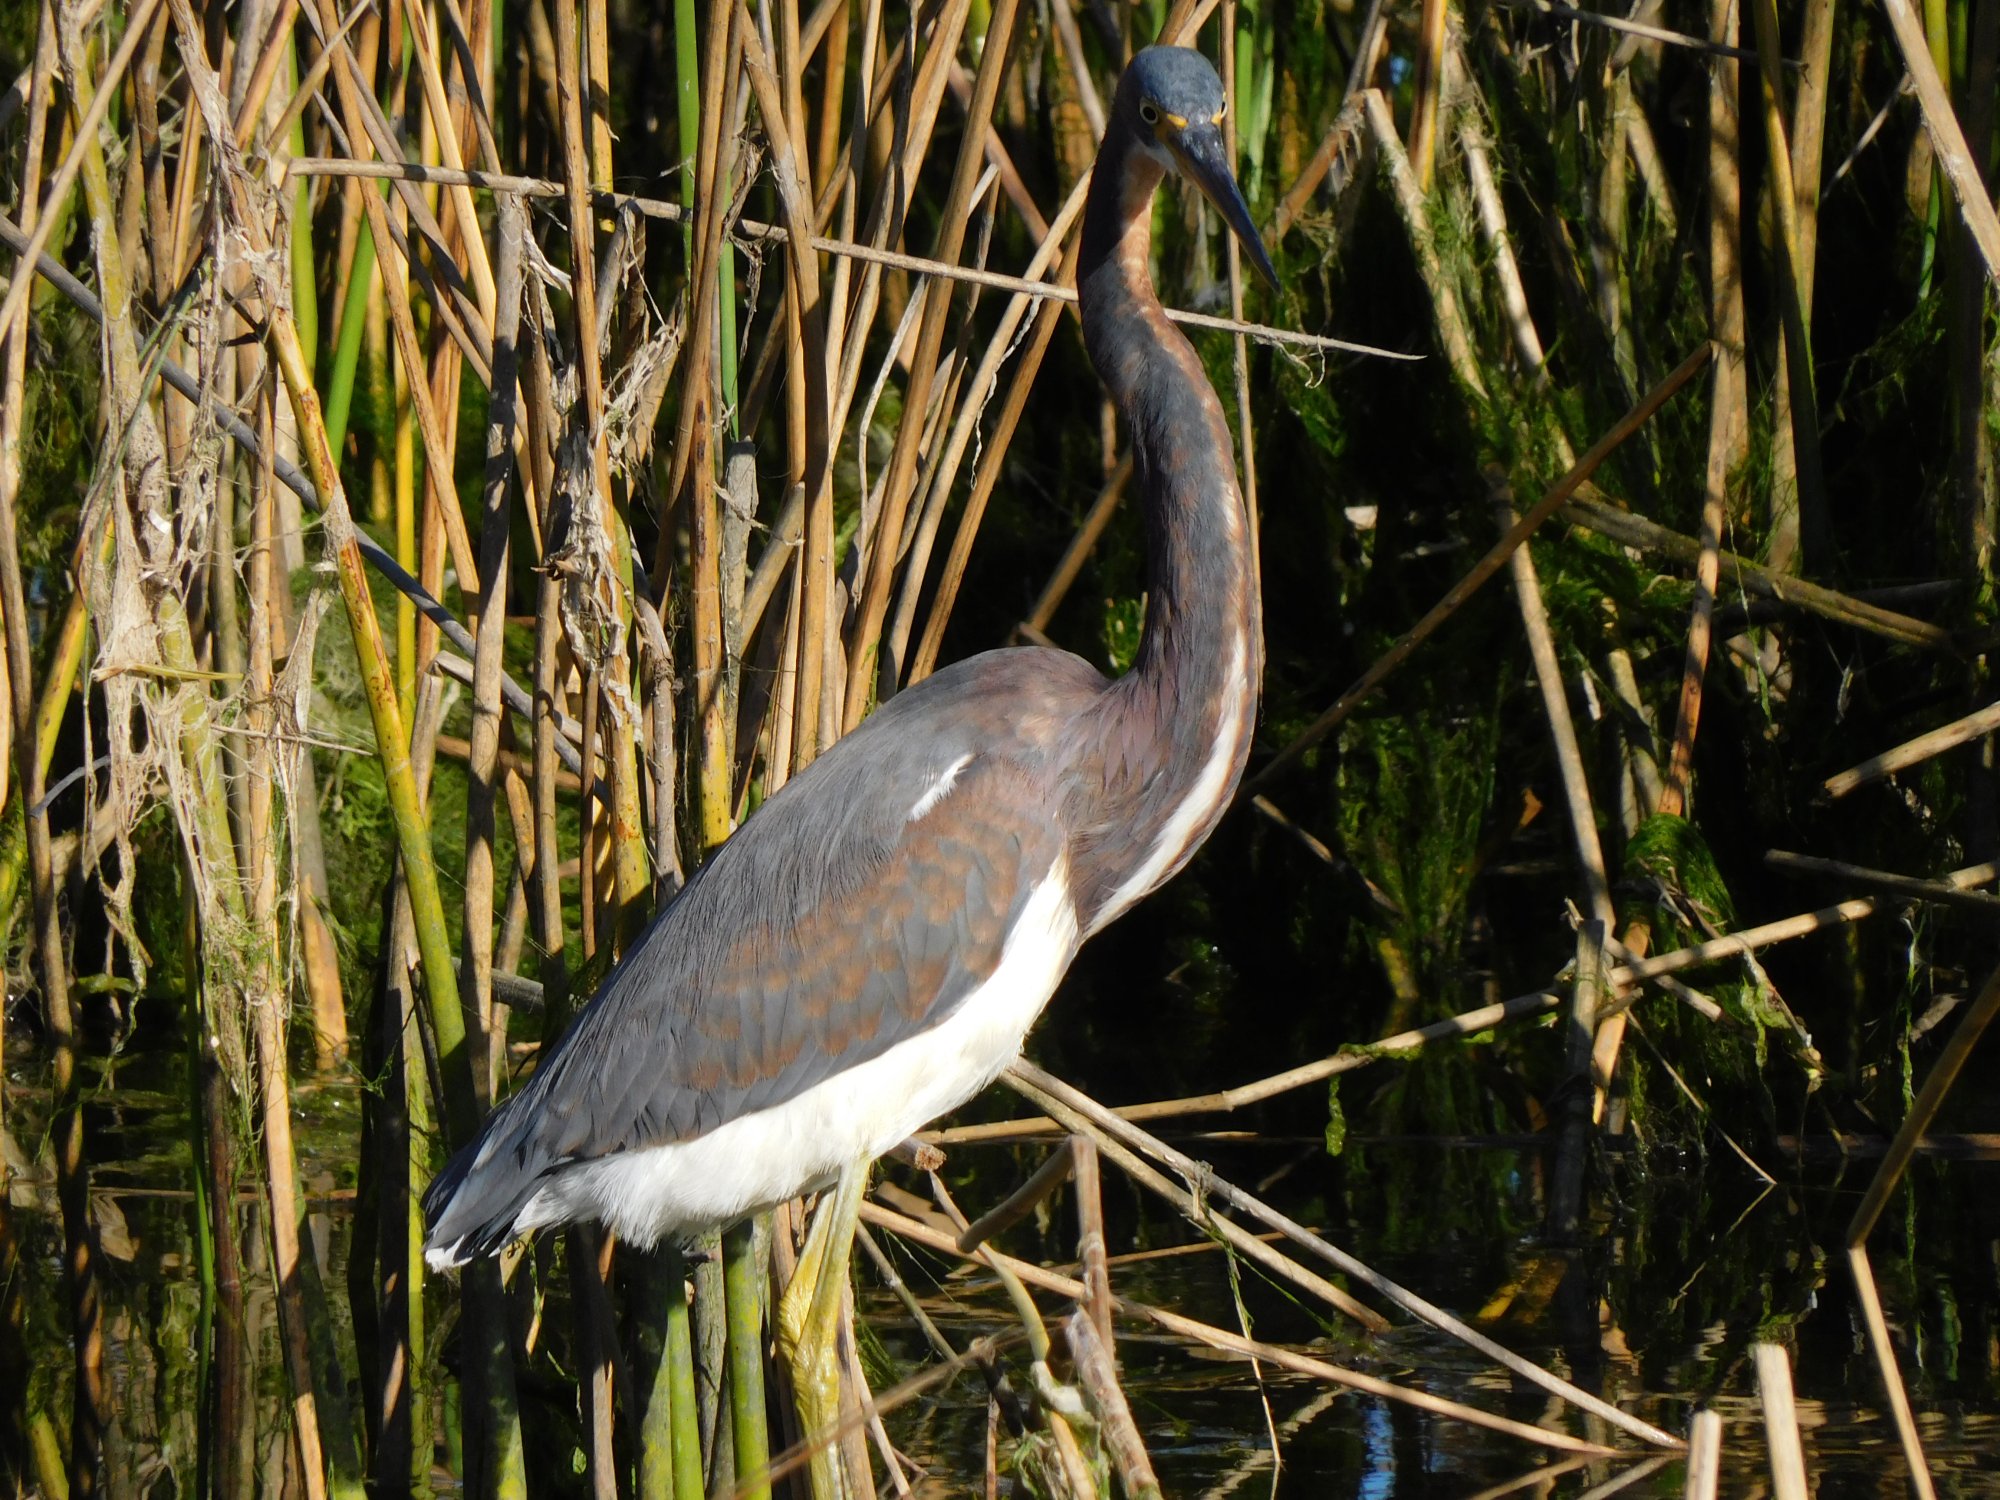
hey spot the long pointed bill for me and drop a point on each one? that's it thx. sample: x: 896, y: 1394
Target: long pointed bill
x: 1199, y: 150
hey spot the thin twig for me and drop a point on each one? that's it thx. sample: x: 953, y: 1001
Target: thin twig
x: 1885, y: 881
x: 1470, y: 1023
x: 1233, y: 1343
x: 1084, y: 1112
x: 1914, y: 752
x: 1648, y: 536
x: 1930, y: 1098
x: 753, y: 229
x: 1632, y: 28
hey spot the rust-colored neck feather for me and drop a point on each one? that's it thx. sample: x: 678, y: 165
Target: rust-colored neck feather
x: 1177, y: 727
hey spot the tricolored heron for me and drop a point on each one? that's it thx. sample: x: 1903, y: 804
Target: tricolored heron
x: 870, y: 949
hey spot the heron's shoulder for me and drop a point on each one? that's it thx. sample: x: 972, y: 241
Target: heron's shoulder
x: 1015, y: 695
x: 989, y: 729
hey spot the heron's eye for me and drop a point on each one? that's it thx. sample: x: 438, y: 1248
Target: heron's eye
x: 1149, y: 112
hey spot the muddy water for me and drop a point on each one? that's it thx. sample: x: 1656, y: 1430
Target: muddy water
x: 1687, y: 1265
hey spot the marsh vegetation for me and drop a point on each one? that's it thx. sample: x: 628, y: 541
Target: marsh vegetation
x: 458, y: 459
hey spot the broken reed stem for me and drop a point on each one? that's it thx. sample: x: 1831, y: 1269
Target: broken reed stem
x: 1781, y: 1422
x: 1091, y: 1249
x: 1944, y: 894
x: 1914, y: 752
x: 1017, y: 1205
x: 1965, y: 172
x: 1923, y: 1110
x: 1077, y: 1111
x: 1225, y: 1341
x: 1555, y: 707
x: 1097, y: 1373
x: 1704, y: 1459
x: 1636, y: 531
x: 1481, y: 572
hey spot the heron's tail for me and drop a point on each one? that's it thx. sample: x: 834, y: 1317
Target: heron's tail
x: 474, y: 1204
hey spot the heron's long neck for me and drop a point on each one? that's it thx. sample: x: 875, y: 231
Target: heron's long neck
x: 1183, y: 715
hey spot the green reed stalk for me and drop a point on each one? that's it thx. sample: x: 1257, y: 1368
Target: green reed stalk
x: 743, y: 1289
x: 305, y: 287
x: 65, y: 661
x: 1937, y: 31
x: 347, y: 345
x: 405, y: 480
x: 392, y: 741
x: 419, y: 1132
x: 681, y: 1388
x: 687, y: 99
x: 669, y: 1437
x: 207, y: 1196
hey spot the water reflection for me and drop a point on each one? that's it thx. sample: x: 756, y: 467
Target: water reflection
x: 1657, y: 1312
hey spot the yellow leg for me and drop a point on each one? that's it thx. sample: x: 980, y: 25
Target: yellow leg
x: 809, y: 1325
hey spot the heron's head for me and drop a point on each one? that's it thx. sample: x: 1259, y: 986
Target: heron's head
x: 1173, y: 103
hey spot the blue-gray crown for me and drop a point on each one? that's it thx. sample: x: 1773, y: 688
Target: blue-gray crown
x: 1177, y: 80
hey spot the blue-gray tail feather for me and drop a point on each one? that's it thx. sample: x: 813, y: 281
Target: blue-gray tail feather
x: 471, y: 1210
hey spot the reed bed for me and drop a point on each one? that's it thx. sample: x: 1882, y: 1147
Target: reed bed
x: 457, y: 460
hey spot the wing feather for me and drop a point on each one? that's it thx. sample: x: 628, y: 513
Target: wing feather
x: 830, y: 927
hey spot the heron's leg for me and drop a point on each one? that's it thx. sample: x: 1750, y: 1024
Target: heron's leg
x: 809, y: 1321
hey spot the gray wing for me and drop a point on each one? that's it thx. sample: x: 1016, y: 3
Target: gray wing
x: 833, y: 925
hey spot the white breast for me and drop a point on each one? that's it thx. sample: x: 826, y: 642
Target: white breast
x: 764, y: 1158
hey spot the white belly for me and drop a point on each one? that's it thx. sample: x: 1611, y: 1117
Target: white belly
x: 762, y: 1159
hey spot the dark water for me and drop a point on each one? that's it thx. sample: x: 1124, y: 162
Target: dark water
x: 1657, y: 1311
x: 1686, y: 1266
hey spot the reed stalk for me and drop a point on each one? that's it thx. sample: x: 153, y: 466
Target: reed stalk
x: 872, y: 609
x: 743, y: 1275
x: 840, y: 172
x: 1795, y: 283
